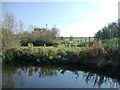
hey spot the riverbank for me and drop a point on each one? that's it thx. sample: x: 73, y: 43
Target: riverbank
x: 94, y: 56
x: 107, y: 60
x: 93, y: 61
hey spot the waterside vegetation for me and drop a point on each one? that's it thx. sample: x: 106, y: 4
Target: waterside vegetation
x: 43, y: 45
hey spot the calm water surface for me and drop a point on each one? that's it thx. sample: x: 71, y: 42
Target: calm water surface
x: 52, y: 77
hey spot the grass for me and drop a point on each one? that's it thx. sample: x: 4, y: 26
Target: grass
x: 0, y: 58
x: 111, y: 43
x: 95, y: 55
x: 61, y: 47
x: 37, y: 54
x: 79, y: 40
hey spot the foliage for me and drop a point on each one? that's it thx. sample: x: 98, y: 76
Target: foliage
x: 101, y: 52
x: 71, y: 38
x: 85, y: 43
x: 30, y: 48
x: 108, y: 32
x: 40, y: 37
x: 39, y: 54
x: 94, y: 54
x: 9, y: 38
x: 110, y: 36
x: 14, y: 34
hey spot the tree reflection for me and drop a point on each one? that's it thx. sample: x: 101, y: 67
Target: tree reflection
x: 63, y: 71
x: 48, y: 71
x: 9, y: 77
x: 42, y: 72
x: 99, y: 80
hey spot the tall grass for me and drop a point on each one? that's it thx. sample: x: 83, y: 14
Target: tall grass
x: 103, y: 54
x: 96, y: 54
x: 43, y: 53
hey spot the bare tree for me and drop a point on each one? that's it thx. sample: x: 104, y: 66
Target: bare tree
x: 8, y: 22
x: 21, y: 26
x: 55, y: 32
x: 9, y: 27
x: 31, y: 28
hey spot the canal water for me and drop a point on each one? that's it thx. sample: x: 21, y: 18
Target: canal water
x: 54, y: 77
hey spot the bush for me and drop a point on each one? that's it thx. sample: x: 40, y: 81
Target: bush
x: 10, y: 55
x: 85, y: 43
x: 95, y: 54
x: 38, y: 43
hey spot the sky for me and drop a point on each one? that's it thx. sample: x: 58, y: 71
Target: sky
x: 79, y: 19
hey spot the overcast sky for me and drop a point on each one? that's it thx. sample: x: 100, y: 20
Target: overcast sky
x: 83, y: 18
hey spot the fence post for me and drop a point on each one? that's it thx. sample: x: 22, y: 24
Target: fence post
x: 81, y: 40
x: 119, y: 39
x: 85, y: 39
x: 119, y: 34
x: 89, y: 41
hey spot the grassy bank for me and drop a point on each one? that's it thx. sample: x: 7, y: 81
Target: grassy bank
x: 94, y: 56
x: 33, y: 54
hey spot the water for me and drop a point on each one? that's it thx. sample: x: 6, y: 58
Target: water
x: 54, y: 77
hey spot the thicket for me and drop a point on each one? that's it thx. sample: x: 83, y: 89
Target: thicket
x: 110, y: 31
x: 95, y: 54
x: 14, y: 34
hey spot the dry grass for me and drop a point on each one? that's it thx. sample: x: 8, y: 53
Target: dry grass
x: 96, y: 49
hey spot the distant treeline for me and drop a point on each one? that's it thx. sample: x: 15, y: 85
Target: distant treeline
x: 40, y: 37
x: 14, y: 33
x: 79, y: 37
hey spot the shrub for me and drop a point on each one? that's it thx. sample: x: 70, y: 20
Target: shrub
x: 85, y: 43
x: 95, y: 54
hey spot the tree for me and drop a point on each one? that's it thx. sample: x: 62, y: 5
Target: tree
x: 21, y: 26
x: 61, y: 38
x: 108, y: 32
x: 55, y: 32
x: 112, y: 31
x: 8, y: 22
x: 31, y: 28
x: 71, y: 38
x: 118, y: 28
x: 9, y: 39
x: 98, y: 34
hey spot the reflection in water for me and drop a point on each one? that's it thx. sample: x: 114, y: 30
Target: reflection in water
x: 99, y: 80
x: 0, y: 74
x: 42, y: 72
x: 9, y: 77
x: 13, y: 77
